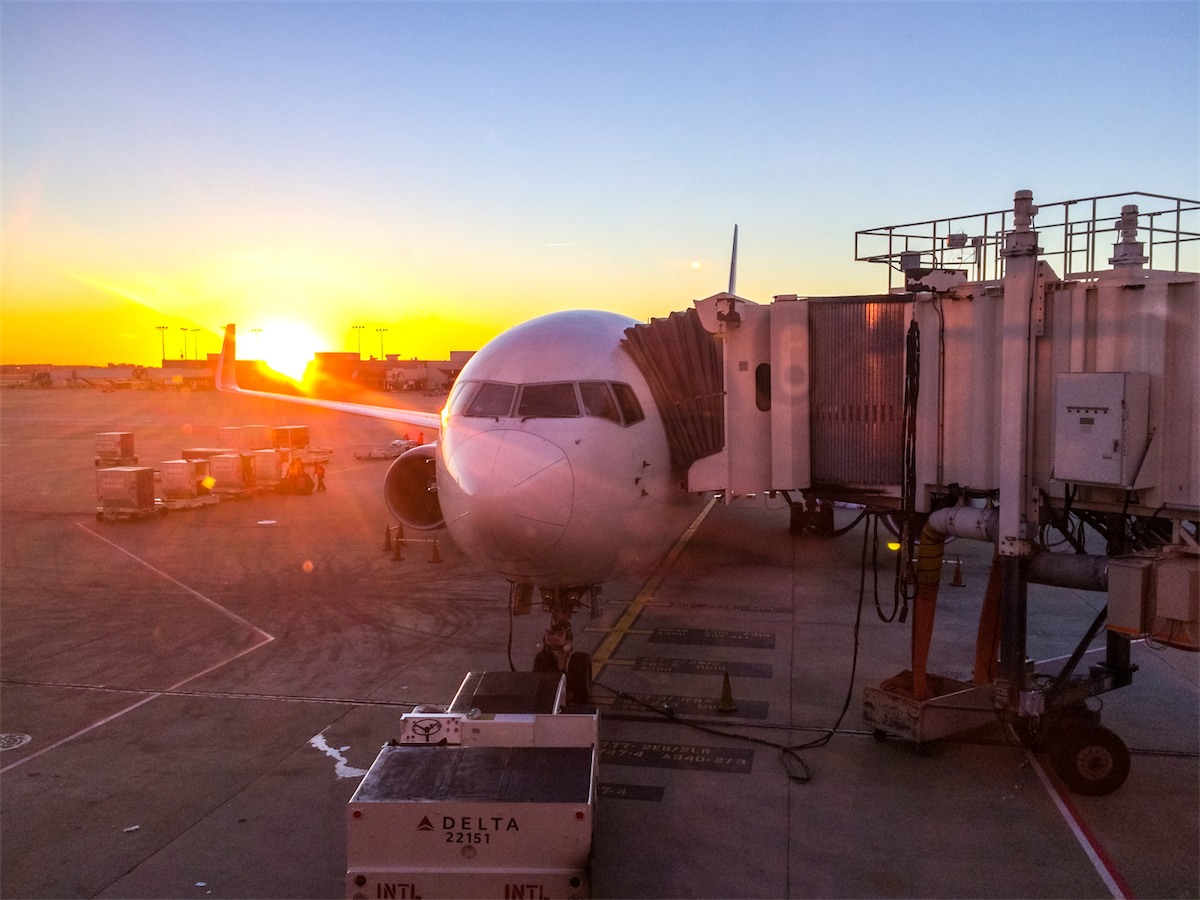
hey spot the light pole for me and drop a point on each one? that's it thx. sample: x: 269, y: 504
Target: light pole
x: 196, y: 342
x: 184, y: 330
x: 162, y: 333
x: 381, y: 333
x: 358, y: 330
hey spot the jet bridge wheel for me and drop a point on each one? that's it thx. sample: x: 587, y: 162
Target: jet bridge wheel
x: 1090, y: 759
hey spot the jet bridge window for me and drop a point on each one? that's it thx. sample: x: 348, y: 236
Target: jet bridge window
x: 548, y: 401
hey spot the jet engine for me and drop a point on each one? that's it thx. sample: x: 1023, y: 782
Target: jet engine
x: 410, y: 489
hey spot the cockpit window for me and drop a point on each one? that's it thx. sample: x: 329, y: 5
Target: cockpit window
x: 459, y: 395
x: 609, y: 400
x: 492, y: 399
x: 548, y: 401
x: 598, y: 400
x: 628, y: 401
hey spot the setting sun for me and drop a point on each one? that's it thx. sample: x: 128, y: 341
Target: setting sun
x: 287, y: 347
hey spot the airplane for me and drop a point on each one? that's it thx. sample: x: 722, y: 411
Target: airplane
x: 551, y: 468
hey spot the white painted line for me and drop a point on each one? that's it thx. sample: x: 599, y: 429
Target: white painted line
x: 131, y: 707
x: 264, y: 640
x: 179, y: 584
x: 1117, y: 886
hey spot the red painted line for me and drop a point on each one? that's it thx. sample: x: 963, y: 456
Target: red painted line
x: 1101, y: 861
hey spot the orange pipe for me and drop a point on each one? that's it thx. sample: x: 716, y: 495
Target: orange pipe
x: 987, y: 640
x: 929, y: 577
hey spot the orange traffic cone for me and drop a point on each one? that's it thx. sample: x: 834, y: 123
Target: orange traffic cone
x: 726, y: 705
x: 396, y: 554
x: 400, y: 533
x: 387, y: 537
x: 957, y: 580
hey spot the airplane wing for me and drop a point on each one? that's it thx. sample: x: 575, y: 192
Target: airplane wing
x: 226, y: 380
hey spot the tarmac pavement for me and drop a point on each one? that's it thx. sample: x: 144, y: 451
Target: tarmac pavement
x: 203, y: 691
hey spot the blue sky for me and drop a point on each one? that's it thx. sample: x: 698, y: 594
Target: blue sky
x: 449, y: 169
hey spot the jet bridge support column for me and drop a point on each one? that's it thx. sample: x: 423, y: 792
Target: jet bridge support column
x: 1016, y: 353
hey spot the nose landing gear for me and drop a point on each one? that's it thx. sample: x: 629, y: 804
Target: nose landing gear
x: 556, y: 652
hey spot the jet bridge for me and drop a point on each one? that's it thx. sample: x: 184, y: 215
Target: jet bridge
x: 1010, y: 383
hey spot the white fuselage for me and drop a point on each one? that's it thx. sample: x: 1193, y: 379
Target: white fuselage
x: 552, y: 465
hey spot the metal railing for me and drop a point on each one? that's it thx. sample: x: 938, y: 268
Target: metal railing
x: 1071, y: 236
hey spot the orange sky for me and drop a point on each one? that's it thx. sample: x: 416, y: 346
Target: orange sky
x: 446, y: 171
x: 284, y: 298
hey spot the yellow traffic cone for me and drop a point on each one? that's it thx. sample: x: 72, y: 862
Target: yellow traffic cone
x: 726, y: 705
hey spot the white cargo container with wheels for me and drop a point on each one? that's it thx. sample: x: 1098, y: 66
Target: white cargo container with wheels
x: 185, y: 483
x: 232, y: 473
x: 115, y: 448
x: 258, y: 437
x: 269, y: 466
x: 125, y: 492
x: 290, y: 437
x: 232, y: 436
x: 183, y: 479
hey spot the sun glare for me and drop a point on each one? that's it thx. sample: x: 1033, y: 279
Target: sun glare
x: 284, y: 346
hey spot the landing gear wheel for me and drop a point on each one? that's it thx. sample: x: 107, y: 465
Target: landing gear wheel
x: 579, y: 678
x: 545, y: 661
x: 1090, y: 760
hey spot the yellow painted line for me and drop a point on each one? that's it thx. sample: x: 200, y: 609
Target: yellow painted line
x: 622, y: 630
x: 624, y: 625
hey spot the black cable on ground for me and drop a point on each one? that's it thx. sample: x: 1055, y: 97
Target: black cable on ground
x: 511, y: 616
x: 669, y: 714
x: 789, y: 754
x: 891, y: 617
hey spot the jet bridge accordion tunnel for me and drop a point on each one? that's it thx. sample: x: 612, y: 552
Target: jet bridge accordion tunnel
x: 1048, y: 406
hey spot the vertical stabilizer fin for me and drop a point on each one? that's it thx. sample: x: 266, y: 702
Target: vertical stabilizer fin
x: 733, y: 264
x: 227, y: 363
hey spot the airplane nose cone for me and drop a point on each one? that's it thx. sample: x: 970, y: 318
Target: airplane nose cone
x: 519, y: 487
